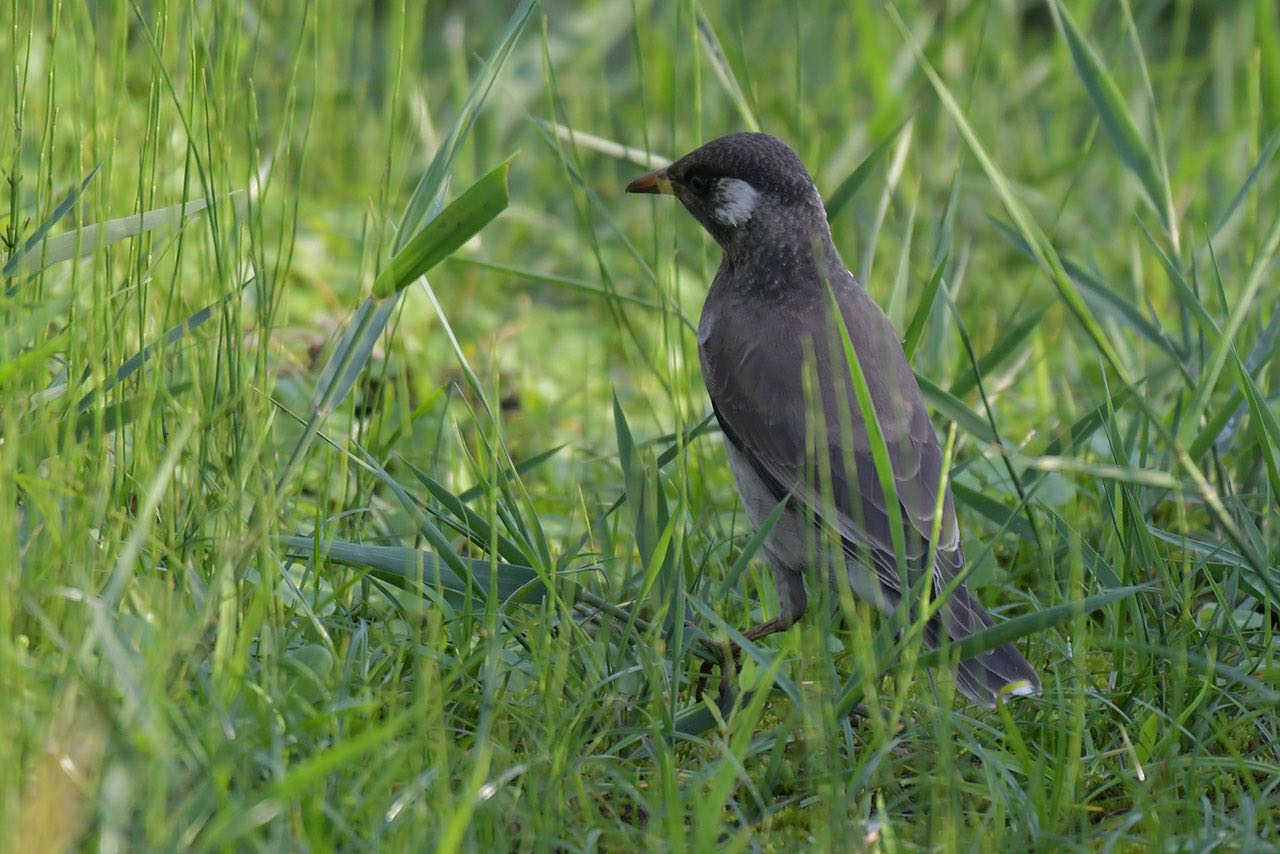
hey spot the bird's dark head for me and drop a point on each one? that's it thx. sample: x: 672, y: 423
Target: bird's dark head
x: 745, y: 188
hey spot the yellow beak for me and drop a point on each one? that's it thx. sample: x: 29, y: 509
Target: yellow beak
x: 654, y: 182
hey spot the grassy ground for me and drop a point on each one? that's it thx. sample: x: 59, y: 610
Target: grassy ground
x: 1073, y: 218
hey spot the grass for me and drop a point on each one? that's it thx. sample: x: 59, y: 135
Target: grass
x: 290, y: 566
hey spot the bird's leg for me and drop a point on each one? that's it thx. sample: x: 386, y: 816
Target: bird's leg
x: 727, y: 653
x: 721, y: 651
x: 730, y: 654
x: 768, y: 627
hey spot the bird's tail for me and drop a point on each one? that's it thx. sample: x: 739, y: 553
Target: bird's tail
x: 1000, y: 672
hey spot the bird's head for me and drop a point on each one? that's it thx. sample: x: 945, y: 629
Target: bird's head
x: 744, y: 188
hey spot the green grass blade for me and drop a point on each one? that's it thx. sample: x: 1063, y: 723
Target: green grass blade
x: 121, y: 413
x: 749, y: 550
x: 21, y: 261
x: 875, y: 439
x: 472, y: 524
x: 849, y: 187
x: 1269, y: 149
x: 338, y: 376
x: 1100, y: 297
x: 1117, y: 124
x: 446, y: 232
x: 952, y: 408
x: 358, y: 340
x: 521, y: 468
x: 911, y: 339
x: 1045, y: 255
x: 83, y: 241
x: 995, y: 511
x: 175, y: 334
x: 1004, y: 347
x: 1036, y: 622
x: 579, y: 285
x: 32, y: 360
x: 1244, y: 307
x: 416, y: 212
x: 406, y: 567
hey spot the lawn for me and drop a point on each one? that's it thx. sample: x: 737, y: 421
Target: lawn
x: 358, y: 487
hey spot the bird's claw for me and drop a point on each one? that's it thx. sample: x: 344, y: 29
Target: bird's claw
x: 727, y: 656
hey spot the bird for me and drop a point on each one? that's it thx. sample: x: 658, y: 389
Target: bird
x: 783, y: 392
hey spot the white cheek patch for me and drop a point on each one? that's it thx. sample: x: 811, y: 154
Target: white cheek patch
x: 735, y: 201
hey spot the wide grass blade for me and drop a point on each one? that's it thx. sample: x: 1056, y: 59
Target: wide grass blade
x: 123, y: 412
x: 416, y: 212
x: 21, y: 257
x: 1101, y: 297
x: 954, y: 409
x: 83, y: 241
x: 523, y: 467
x: 358, y: 340
x: 467, y: 521
x: 1117, y: 124
x: 339, y: 376
x: 1009, y: 631
x: 994, y: 510
x: 407, y: 568
x: 849, y: 187
x: 1006, y: 345
x: 446, y: 232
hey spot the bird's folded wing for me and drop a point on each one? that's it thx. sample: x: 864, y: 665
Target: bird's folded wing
x: 787, y: 404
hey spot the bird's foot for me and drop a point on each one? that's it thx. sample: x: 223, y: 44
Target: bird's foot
x: 727, y: 655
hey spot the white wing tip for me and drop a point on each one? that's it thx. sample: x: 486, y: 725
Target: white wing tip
x: 1021, y: 688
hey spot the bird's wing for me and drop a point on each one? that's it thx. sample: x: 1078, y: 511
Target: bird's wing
x: 755, y: 364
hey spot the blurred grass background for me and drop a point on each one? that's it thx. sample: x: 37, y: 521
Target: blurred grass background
x: 1073, y: 208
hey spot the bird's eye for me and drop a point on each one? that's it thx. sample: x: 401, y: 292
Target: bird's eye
x: 699, y: 182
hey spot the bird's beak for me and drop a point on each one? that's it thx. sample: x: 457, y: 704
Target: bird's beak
x: 654, y: 182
